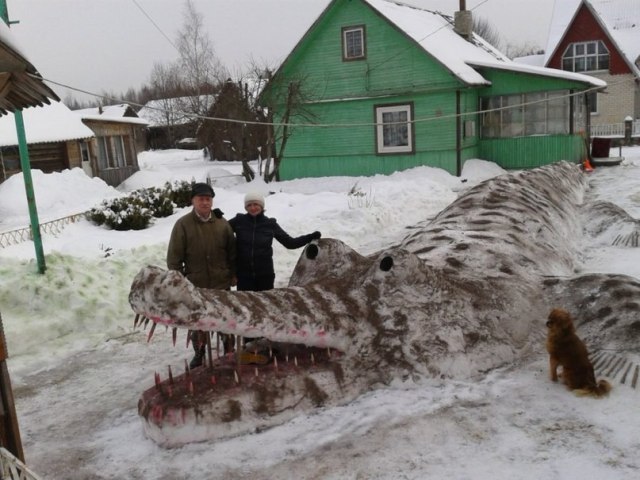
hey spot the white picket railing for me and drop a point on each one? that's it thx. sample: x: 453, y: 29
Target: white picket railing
x: 614, y: 130
x: 12, y: 468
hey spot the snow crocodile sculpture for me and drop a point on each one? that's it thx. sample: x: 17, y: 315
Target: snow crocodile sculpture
x: 462, y: 294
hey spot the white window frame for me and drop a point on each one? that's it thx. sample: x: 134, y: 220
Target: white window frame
x: 591, y: 56
x: 382, y: 127
x: 348, y: 44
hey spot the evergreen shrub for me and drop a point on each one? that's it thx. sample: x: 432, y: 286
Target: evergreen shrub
x: 137, y: 210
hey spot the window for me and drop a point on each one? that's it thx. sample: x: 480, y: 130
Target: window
x: 535, y: 120
x: 118, y: 151
x: 103, y: 153
x: 537, y: 113
x: 111, y: 152
x: 586, y: 57
x: 593, y: 102
x: 512, y: 116
x: 353, y: 46
x: 84, y: 151
x: 394, y: 130
x: 469, y: 129
x: 558, y: 106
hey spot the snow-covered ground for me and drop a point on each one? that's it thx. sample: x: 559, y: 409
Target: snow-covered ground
x: 78, y: 367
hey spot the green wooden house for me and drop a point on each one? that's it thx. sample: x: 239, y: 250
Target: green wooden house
x: 384, y: 87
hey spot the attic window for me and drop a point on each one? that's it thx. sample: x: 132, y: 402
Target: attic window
x: 394, y: 129
x: 586, y: 57
x: 353, y: 46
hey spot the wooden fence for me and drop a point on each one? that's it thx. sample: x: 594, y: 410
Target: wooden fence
x: 11, y: 468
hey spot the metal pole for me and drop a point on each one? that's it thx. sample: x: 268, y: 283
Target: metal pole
x: 26, y: 168
x: 28, y: 186
x: 9, y: 431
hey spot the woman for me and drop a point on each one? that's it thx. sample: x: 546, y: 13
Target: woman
x: 254, y: 238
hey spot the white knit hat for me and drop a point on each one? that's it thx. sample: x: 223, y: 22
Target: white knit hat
x: 254, y: 197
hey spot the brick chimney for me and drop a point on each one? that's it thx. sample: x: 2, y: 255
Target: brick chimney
x: 462, y: 21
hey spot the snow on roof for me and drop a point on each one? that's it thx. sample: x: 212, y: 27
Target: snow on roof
x: 619, y: 18
x: 111, y: 113
x: 563, y: 13
x: 547, y: 72
x: 434, y: 32
x: 536, y: 60
x: 48, y: 123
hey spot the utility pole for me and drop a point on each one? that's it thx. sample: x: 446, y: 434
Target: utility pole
x: 25, y: 165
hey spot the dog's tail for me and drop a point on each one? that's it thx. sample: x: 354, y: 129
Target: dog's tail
x: 601, y: 389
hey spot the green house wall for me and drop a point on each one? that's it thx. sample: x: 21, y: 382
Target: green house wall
x: 349, y: 147
x: 342, y: 96
x: 531, y: 152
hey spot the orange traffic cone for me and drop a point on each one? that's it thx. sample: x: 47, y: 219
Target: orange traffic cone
x: 586, y: 165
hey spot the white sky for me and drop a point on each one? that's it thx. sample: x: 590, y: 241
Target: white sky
x: 112, y: 45
x: 78, y: 368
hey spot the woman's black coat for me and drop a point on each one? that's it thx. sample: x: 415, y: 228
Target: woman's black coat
x: 254, y: 239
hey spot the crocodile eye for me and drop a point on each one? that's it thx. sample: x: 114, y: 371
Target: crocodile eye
x: 311, y: 251
x: 386, y: 263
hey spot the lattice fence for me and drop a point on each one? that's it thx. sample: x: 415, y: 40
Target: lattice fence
x: 53, y: 227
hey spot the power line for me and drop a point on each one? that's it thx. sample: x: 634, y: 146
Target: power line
x: 326, y: 125
x: 444, y: 25
x: 135, y: 2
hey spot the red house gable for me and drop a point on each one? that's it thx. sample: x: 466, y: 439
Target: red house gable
x: 584, y: 28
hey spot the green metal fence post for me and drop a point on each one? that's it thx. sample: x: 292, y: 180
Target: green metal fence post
x: 28, y: 185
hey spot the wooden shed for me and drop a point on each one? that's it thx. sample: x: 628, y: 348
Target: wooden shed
x: 119, y: 133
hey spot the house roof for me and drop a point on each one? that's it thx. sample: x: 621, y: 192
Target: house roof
x: 434, y: 33
x: 44, y: 124
x: 122, y: 113
x: 620, y: 19
x: 20, y: 84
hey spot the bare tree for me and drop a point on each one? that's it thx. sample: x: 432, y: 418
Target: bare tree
x: 289, y: 99
x: 200, y: 69
x: 523, y: 50
x: 166, y: 85
x: 488, y: 32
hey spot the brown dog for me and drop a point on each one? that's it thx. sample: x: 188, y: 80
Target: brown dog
x: 568, y: 351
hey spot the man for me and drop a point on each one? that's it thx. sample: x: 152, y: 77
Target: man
x: 203, y: 248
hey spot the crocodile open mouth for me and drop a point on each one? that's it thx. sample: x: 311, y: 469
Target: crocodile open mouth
x: 260, y: 381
